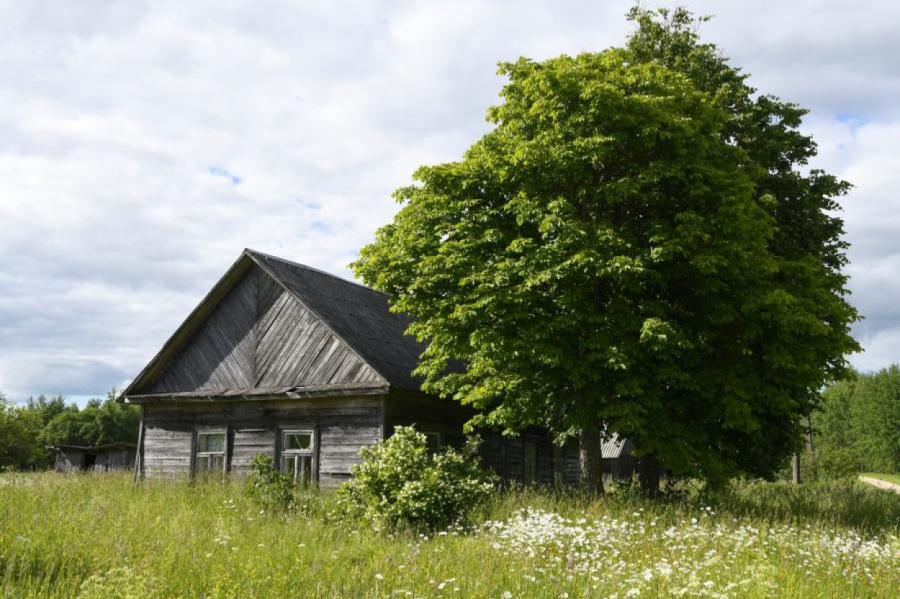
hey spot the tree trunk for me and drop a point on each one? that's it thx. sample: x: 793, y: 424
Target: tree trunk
x: 795, y: 469
x: 590, y: 458
x: 648, y: 475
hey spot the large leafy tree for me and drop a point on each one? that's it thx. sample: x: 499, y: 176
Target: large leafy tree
x: 632, y: 248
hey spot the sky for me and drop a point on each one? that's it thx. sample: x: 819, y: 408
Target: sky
x: 143, y: 145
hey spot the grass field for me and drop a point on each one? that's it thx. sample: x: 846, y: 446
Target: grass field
x: 891, y: 478
x: 101, y: 536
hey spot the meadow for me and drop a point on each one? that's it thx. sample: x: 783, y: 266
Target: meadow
x: 96, y: 535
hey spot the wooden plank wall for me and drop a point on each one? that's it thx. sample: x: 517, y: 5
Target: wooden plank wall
x: 344, y: 426
x: 295, y: 347
x: 261, y: 336
x: 427, y: 414
x: 504, y: 455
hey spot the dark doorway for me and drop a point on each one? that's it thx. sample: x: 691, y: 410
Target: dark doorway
x: 89, y: 461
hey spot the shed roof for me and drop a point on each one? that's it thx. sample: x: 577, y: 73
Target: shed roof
x: 614, y: 447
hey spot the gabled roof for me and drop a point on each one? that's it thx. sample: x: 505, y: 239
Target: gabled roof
x: 356, y: 315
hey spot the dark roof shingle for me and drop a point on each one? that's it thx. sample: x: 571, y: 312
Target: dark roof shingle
x: 358, y: 314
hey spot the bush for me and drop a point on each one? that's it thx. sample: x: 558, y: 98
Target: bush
x: 399, y: 484
x: 267, y: 487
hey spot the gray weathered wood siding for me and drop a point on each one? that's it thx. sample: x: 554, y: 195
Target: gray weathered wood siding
x: 504, y: 455
x: 343, y: 427
x: 295, y: 347
x: 261, y: 336
x: 427, y: 414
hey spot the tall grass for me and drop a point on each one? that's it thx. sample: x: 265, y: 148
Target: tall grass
x: 102, y: 536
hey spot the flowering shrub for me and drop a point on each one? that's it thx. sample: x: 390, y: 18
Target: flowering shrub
x: 400, y: 484
x: 267, y: 487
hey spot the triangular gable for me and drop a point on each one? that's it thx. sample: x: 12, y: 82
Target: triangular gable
x: 250, y: 333
x: 360, y: 316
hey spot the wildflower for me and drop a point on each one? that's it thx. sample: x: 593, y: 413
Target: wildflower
x: 379, y: 577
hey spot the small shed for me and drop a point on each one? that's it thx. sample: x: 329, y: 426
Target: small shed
x: 618, y: 461
x: 109, y: 456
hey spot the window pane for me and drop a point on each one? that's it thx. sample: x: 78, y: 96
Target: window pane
x: 216, y: 463
x: 289, y: 465
x: 305, y: 473
x: 211, y: 442
x: 297, y: 441
x: 202, y: 463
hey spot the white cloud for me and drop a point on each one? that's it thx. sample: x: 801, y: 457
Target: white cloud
x: 124, y: 125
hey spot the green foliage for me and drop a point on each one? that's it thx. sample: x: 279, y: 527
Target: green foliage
x: 18, y: 447
x: 267, y: 487
x: 634, y: 248
x: 857, y: 426
x: 400, y: 484
x: 838, y: 502
x: 27, y: 430
x: 99, y: 422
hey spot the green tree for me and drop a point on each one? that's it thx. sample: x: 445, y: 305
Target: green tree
x: 46, y: 408
x: 99, y: 422
x: 632, y: 248
x: 875, y: 418
x: 20, y: 446
x: 857, y: 425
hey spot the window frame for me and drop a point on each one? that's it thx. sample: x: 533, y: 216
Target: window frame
x: 197, y: 454
x: 312, y: 452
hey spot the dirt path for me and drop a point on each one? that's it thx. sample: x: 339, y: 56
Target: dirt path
x: 881, y: 484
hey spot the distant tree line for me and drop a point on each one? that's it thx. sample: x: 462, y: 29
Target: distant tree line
x: 857, y: 426
x: 27, y: 431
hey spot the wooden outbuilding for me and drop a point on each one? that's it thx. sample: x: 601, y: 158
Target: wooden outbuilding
x: 618, y: 462
x: 110, y: 456
x: 286, y: 360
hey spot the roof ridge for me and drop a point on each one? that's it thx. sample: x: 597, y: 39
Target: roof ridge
x: 313, y: 269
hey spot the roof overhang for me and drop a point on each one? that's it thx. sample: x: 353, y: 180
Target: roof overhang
x: 270, y: 394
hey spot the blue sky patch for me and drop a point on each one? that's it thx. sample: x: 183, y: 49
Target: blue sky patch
x: 218, y: 171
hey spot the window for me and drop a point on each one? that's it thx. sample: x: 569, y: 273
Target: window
x: 434, y: 442
x: 210, y: 451
x: 297, y: 455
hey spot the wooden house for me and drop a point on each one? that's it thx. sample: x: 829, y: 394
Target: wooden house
x: 286, y: 360
x: 110, y: 456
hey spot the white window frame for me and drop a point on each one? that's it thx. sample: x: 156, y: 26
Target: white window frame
x: 311, y: 453
x: 207, y: 454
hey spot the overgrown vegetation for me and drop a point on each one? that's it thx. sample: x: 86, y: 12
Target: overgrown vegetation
x: 267, y: 487
x: 102, y: 536
x: 399, y: 483
x: 27, y: 430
